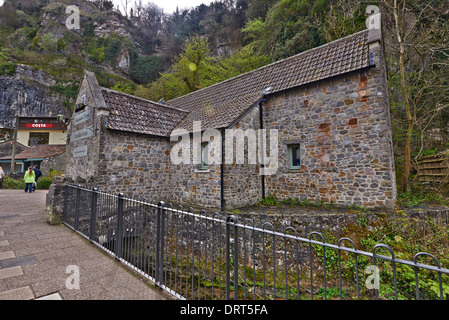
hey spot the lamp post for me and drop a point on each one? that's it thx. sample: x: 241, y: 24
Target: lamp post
x: 13, y: 158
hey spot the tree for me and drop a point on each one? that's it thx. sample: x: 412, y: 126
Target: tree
x: 146, y: 69
x: 243, y: 61
x: 258, y: 9
x: 289, y: 27
x: 125, y: 4
x: 189, y: 64
x: 420, y: 67
x: 49, y: 43
x: 343, y: 18
x: 9, y: 16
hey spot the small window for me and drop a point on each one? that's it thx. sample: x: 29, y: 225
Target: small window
x: 294, y: 154
x: 204, y: 154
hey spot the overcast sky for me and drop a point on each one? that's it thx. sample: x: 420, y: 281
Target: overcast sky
x: 169, y: 6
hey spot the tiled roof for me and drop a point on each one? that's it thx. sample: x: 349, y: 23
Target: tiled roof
x: 38, y: 152
x: 6, y: 148
x: 220, y: 105
x: 134, y: 114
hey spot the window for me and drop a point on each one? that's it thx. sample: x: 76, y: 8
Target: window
x: 38, y: 138
x: 294, y: 155
x: 204, y: 154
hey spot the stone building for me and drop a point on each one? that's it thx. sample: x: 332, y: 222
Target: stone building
x: 329, y: 107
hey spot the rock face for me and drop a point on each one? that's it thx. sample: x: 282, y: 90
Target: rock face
x: 28, y: 93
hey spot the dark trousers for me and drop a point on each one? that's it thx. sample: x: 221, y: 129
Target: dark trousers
x: 29, y: 187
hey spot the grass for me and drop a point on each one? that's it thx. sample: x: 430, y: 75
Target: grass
x: 410, y: 199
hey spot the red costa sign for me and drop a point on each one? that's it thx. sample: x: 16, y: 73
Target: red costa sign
x: 39, y: 125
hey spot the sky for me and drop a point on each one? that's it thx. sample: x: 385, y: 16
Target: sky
x: 169, y: 6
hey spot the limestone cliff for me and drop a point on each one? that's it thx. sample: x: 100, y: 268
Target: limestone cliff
x: 28, y: 93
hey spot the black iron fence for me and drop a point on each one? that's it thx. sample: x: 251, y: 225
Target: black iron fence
x: 213, y: 256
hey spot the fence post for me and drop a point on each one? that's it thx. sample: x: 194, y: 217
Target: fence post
x: 77, y: 206
x: 119, y: 227
x: 234, y: 258
x: 160, y: 229
x: 64, y: 210
x: 93, y: 216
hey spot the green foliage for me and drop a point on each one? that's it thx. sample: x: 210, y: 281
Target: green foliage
x: 106, y: 49
x: 112, y: 48
x: 413, y: 198
x: 49, y: 43
x: 125, y: 87
x: 293, y: 26
x: 270, y: 201
x: 146, y: 69
x: 406, y: 237
x: 10, y: 183
x: 253, y: 31
x: 196, y: 68
x: 331, y: 293
x: 69, y: 90
x: 6, y: 67
x: 31, y: 34
x: 259, y: 8
x: 43, y: 183
x: 244, y: 60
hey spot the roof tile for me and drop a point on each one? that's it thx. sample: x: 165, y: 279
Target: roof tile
x: 133, y: 114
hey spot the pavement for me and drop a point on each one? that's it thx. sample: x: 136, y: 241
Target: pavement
x: 47, y: 262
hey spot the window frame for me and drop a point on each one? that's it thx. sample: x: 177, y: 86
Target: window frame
x: 40, y: 136
x: 290, y: 148
x: 204, y: 165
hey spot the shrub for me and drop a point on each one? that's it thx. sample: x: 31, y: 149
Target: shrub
x: 10, y: 183
x: 43, y: 183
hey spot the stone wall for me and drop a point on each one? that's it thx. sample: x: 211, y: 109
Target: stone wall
x: 134, y: 164
x: 344, y: 131
x: 58, y: 162
x: 190, y: 185
x: 242, y: 182
x: 84, y: 135
x: 341, y: 124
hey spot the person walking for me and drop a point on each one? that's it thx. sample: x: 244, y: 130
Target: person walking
x: 2, y: 176
x: 38, y: 173
x: 29, y: 178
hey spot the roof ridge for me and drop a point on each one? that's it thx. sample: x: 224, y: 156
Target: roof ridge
x: 272, y: 64
x: 143, y: 99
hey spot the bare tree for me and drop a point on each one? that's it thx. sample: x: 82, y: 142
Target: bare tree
x: 419, y: 38
x: 125, y: 4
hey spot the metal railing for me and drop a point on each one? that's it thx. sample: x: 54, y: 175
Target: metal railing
x: 213, y: 256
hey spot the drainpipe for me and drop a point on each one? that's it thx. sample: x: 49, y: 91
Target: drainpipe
x: 222, y: 170
x: 260, y: 103
x: 265, y: 98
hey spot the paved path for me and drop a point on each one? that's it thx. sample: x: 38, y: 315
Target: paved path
x: 40, y: 261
